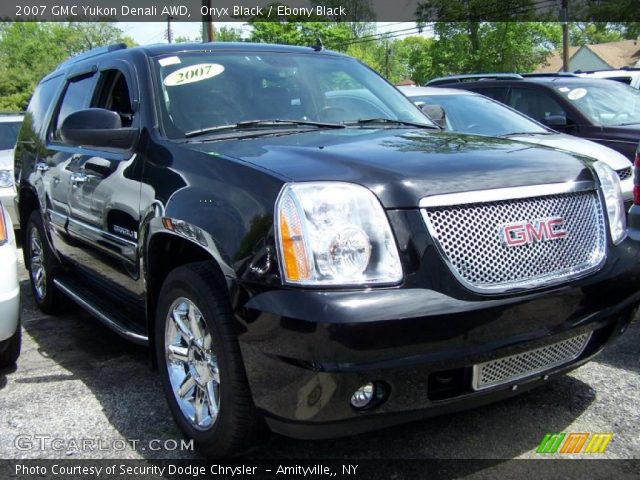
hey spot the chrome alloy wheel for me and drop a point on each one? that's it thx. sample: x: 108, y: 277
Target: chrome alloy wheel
x: 191, y: 364
x: 37, y: 270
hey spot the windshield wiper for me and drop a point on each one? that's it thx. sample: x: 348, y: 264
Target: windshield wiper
x: 261, y: 123
x: 513, y: 134
x: 390, y: 121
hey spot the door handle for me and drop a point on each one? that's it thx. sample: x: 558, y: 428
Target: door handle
x: 79, y: 178
x: 42, y: 167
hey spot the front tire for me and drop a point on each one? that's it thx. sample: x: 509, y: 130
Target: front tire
x: 201, y: 368
x: 42, y: 266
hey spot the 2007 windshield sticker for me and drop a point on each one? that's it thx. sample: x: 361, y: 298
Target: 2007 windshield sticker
x: 193, y: 73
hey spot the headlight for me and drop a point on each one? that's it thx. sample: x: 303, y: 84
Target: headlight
x: 610, y: 184
x: 6, y: 178
x: 332, y: 233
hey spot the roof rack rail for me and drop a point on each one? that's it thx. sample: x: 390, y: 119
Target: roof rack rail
x: 473, y: 76
x: 550, y: 74
x: 92, y: 53
x: 621, y: 69
x: 12, y: 112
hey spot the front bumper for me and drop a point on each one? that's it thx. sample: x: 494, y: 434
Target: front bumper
x: 9, y: 292
x: 7, y: 196
x: 306, y: 352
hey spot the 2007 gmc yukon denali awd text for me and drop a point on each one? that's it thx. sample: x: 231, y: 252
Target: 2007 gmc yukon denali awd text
x: 298, y: 243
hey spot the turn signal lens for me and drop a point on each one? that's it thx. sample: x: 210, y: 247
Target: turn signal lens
x: 294, y: 252
x: 3, y: 227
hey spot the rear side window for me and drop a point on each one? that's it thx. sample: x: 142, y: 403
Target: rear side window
x: 43, y: 97
x: 77, y: 96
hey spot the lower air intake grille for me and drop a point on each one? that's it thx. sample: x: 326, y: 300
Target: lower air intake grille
x: 508, y: 369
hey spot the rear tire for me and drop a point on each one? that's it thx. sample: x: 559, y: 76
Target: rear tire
x: 10, y: 349
x: 42, y: 266
x: 199, y: 359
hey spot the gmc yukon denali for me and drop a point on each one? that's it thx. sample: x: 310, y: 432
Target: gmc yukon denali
x: 291, y: 253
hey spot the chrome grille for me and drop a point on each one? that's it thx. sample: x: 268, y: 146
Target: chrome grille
x: 470, y: 239
x: 625, y: 173
x: 521, y: 365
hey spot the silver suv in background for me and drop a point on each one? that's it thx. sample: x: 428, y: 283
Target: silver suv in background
x: 10, y: 124
x: 629, y: 76
x: 468, y: 112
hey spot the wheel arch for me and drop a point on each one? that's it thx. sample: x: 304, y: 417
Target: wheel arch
x: 165, y: 251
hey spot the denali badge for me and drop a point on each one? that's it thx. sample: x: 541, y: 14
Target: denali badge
x: 541, y: 230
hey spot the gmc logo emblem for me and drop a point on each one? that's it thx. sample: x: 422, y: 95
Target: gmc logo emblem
x: 541, y: 230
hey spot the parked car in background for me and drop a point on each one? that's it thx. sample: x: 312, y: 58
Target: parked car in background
x: 10, y: 333
x: 629, y: 76
x: 10, y: 124
x: 600, y: 110
x: 469, y: 112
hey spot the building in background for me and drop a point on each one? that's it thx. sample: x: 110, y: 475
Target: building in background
x: 602, y: 56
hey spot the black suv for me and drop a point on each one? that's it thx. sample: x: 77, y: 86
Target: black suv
x: 604, y: 111
x: 297, y: 242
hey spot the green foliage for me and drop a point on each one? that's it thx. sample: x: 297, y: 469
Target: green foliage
x: 30, y: 50
x: 296, y: 32
x: 228, y: 34
x: 492, y: 47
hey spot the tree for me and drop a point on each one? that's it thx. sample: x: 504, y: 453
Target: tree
x: 296, y: 31
x: 228, y: 34
x: 467, y: 47
x: 30, y: 50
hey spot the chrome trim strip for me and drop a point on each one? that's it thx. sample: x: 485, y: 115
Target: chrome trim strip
x: 107, y: 235
x: 477, y: 368
x: 100, y: 315
x: 511, y: 193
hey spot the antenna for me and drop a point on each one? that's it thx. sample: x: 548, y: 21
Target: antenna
x: 318, y: 47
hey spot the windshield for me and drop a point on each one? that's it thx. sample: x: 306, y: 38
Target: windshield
x: 204, y: 90
x: 9, y: 134
x: 611, y: 104
x: 480, y: 115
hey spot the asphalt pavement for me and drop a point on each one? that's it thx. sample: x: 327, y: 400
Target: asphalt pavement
x: 80, y: 391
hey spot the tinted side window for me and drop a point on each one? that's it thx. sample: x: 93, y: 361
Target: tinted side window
x: 537, y: 104
x: 497, y: 93
x: 41, y: 100
x: 76, y: 97
x: 113, y: 94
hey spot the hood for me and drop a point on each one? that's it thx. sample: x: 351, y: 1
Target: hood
x: 614, y: 159
x: 402, y: 166
x: 6, y: 159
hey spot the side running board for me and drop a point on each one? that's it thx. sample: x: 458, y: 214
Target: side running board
x: 100, y: 309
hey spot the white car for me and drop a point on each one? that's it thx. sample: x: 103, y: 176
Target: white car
x: 629, y: 76
x: 10, y: 124
x: 10, y: 333
x: 468, y: 112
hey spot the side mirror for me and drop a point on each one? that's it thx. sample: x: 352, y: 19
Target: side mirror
x: 435, y: 113
x: 555, y: 120
x: 97, y: 127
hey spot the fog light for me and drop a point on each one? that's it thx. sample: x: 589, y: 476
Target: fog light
x: 363, y: 395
